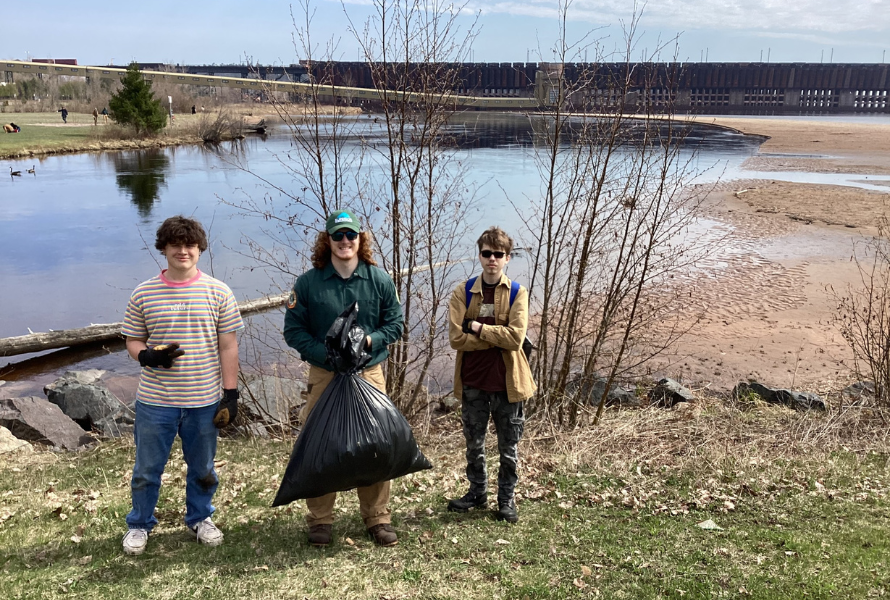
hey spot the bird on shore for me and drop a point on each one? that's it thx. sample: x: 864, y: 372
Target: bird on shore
x: 31, y: 170
x: 14, y: 173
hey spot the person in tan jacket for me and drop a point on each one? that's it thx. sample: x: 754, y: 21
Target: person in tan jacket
x: 487, y: 325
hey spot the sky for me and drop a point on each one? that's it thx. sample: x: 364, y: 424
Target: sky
x: 262, y: 31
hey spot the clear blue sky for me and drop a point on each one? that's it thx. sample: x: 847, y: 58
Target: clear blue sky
x: 224, y: 31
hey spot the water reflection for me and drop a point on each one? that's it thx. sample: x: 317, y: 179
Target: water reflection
x: 141, y: 175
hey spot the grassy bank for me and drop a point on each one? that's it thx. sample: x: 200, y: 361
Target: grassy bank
x: 801, y: 500
x: 44, y: 133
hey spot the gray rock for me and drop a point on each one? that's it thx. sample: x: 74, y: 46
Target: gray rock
x: 36, y: 420
x: 255, y: 430
x: 589, y: 390
x: 10, y: 443
x: 668, y: 392
x: 789, y: 398
x: 85, y: 377
x: 272, y: 398
x: 88, y: 404
x: 450, y: 403
x: 117, y: 425
x: 859, y: 390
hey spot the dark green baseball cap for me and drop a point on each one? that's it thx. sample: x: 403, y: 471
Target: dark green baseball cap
x: 342, y: 219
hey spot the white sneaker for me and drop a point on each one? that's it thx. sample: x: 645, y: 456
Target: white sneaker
x: 135, y: 541
x: 208, y: 533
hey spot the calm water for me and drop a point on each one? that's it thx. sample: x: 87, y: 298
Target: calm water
x: 76, y: 237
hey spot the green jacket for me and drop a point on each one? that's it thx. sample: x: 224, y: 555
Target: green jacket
x: 320, y: 295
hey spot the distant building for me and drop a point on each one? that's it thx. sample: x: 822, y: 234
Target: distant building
x: 56, y: 61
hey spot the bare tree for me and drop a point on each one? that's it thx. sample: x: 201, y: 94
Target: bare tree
x: 863, y: 312
x: 398, y: 170
x: 612, y: 226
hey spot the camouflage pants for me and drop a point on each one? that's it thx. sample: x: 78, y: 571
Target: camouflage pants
x: 509, y: 422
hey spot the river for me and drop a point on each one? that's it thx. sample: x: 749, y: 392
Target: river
x: 77, y: 235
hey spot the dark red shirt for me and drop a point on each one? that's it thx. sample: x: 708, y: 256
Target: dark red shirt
x: 485, y: 369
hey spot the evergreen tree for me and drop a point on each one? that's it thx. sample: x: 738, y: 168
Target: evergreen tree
x: 134, y: 104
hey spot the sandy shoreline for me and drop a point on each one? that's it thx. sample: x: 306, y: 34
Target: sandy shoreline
x: 769, y: 310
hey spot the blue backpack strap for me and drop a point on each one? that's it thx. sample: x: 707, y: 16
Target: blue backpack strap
x: 469, y: 285
x: 514, y: 289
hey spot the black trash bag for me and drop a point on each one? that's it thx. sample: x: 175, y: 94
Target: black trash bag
x: 345, y: 343
x: 354, y: 436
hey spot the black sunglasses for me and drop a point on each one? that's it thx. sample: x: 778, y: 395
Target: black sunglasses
x: 489, y: 253
x: 337, y: 236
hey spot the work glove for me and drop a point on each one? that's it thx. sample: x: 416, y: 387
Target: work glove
x: 160, y: 356
x: 465, y: 326
x: 227, y: 409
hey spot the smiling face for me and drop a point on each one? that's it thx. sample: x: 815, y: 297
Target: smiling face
x: 344, y: 250
x: 492, y: 266
x: 182, y: 260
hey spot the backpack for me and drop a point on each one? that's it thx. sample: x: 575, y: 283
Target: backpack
x: 527, y: 345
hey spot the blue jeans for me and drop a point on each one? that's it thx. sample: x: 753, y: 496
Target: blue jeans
x: 156, y: 428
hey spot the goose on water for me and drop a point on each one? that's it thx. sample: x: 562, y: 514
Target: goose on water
x: 14, y: 173
x: 31, y: 170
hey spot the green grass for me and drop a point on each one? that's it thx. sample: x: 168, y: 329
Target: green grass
x: 44, y: 133
x: 812, y: 524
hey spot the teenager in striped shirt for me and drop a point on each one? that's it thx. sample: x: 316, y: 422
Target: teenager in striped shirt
x: 181, y: 326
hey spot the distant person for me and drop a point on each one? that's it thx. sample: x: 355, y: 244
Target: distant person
x: 194, y: 110
x: 105, y: 114
x: 64, y: 112
x: 181, y: 326
x: 95, y: 116
x: 488, y: 318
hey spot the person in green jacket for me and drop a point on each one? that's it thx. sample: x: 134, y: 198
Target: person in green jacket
x: 344, y: 271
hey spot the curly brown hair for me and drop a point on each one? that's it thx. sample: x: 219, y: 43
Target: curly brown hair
x: 497, y: 239
x: 180, y: 230
x: 321, y: 251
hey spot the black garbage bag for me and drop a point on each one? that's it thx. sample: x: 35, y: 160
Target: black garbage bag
x: 345, y: 342
x: 354, y: 436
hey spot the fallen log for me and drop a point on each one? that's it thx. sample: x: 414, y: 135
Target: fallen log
x: 50, y: 340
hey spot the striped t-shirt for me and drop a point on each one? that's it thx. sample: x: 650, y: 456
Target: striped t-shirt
x: 192, y: 314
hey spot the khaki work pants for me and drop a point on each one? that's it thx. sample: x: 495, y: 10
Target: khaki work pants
x: 373, y: 499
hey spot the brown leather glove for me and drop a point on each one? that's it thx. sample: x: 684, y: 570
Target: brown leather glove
x: 227, y: 409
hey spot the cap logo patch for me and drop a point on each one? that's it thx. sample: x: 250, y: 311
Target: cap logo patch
x: 343, y: 218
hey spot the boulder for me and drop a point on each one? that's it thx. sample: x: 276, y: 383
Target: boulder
x: 257, y: 430
x: 789, y: 398
x: 589, y: 390
x: 10, y: 443
x: 88, y: 402
x: 272, y: 398
x: 36, y: 420
x: 449, y: 403
x: 860, y: 390
x: 668, y: 392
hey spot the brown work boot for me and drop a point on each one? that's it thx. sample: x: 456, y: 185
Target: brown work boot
x: 320, y: 535
x: 384, y: 534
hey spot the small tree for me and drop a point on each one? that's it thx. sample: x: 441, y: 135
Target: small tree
x: 134, y: 104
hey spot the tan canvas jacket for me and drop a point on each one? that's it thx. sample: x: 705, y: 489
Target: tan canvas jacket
x: 508, y: 334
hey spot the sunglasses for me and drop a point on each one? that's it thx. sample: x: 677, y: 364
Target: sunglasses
x: 490, y: 253
x: 337, y: 236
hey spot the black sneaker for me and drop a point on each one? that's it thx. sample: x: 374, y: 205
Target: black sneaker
x: 507, y: 512
x: 470, y: 500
